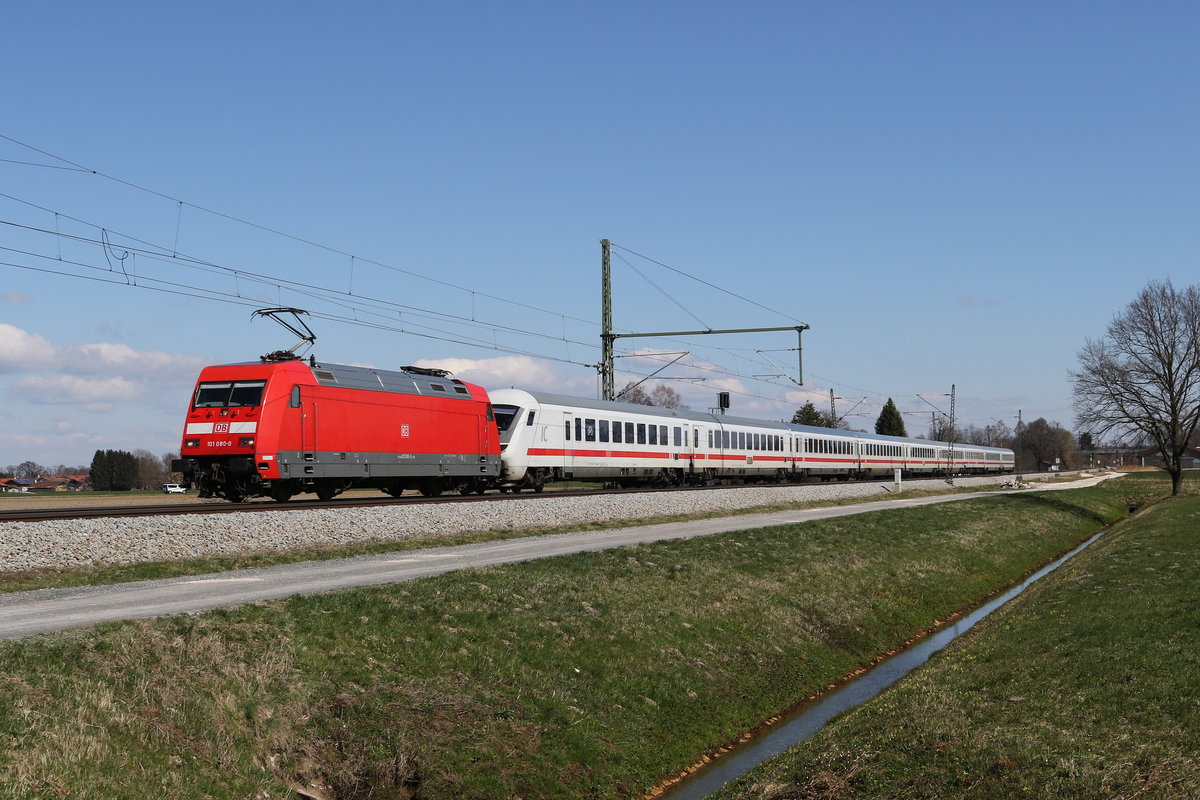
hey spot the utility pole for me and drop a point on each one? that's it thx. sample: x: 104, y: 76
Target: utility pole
x: 832, y: 409
x: 953, y: 391
x: 606, y: 334
x: 608, y: 338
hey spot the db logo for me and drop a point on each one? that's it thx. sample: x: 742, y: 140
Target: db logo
x: 220, y: 427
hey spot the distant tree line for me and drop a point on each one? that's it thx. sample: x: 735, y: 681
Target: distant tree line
x: 1038, y: 446
x: 120, y: 471
x: 31, y: 470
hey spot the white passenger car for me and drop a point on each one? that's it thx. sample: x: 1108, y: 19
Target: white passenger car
x: 547, y: 437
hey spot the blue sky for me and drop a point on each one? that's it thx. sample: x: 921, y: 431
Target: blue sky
x: 948, y: 193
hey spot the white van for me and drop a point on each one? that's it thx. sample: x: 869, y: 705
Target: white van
x: 173, y: 488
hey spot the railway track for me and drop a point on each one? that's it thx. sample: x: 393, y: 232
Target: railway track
x: 216, y: 506
x: 45, y: 514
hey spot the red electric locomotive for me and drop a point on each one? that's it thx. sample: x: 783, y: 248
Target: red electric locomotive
x: 283, y: 426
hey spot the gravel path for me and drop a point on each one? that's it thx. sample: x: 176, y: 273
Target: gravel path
x: 41, y: 545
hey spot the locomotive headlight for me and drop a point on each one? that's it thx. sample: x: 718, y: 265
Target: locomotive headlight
x: 246, y: 441
x: 192, y: 443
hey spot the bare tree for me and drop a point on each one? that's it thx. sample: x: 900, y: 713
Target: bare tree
x: 1143, y: 377
x: 633, y: 393
x: 940, y: 430
x: 661, y: 395
x: 168, y: 476
x: 150, y: 472
x: 666, y: 397
x: 30, y: 470
x: 1041, y: 444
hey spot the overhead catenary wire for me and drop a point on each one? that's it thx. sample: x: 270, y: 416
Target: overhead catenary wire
x: 708, y: 284
x: 267, y: 229
x: 381, y: 311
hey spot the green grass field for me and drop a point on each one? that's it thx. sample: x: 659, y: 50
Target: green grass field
x: 597, y: 675
x: 1088, y: 687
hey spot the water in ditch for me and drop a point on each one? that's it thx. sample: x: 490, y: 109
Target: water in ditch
x: 810, y: 718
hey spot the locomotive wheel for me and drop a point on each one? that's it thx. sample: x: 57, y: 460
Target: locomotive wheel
x: 326, y: 491
x: 281, y: 493
x: 431, y: 487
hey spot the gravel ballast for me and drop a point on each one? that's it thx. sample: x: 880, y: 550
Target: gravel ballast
x: 26, y: 546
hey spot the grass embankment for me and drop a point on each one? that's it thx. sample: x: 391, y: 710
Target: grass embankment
x: 26, y: 580
x: 593, y: 675
x: 1089, y: 687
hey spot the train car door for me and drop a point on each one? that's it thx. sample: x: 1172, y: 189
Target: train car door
x: 308, y: 421
x: 692, y: 447
x: 571, y: 432
x: 487, y: 429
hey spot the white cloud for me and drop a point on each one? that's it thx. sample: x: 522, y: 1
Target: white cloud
x: 521, y: 372
x: 24, y: 352
x: 21, y: 351
x: 104, y: 357
x: 92, y: 393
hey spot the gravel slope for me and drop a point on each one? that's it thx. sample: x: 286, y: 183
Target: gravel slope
x: 40, y: 545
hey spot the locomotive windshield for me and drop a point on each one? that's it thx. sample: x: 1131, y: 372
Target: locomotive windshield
x: 226, y: 394
x: 505, y: 415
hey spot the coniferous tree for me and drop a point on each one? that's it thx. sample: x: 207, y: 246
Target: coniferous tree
x: 890, y: 422
x: 101, y: 471
x: 124, y: 470
x: 808, y: 415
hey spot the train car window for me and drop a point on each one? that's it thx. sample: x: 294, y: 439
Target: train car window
x: 710, y: 440
x: 579, y: 429
x: 695, y: 438
x: 294, y: 400
x: 567, y: 436
x: 437, y: 387
x: 628, y: 433
x: 742, y: 440
x: 616, y: 432
x: 725, y: 440
x: 604, y: 430
x: 653, y: 434
x: 641, y: 433
x: 662, y: 434
x: 529, y: 420
x: 589, y: 430
x: 505, y: 414
x: 679, y: 437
